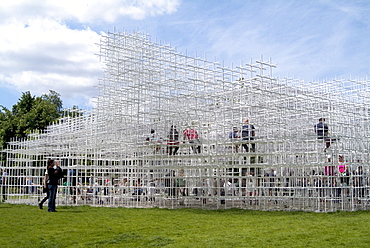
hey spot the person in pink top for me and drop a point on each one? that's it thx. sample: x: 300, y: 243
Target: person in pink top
x: 193, y: 137
x: 343, y: 171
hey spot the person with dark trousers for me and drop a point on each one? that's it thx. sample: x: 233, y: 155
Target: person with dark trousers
x: 173, y: 141
x: 248, y: 133
x: 54, y: 173
x: 322, y: 131
x: 3, y: 184
x: 45, y: 189
x: 234, y: 136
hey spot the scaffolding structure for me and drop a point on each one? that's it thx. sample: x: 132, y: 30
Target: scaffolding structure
x: 111, y: 156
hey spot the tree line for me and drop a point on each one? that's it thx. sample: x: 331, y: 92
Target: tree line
x: 29, y: 114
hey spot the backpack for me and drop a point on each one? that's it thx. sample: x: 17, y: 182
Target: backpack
x: 60, y: 174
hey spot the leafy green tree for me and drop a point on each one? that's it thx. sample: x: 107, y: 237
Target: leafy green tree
x: 24, y: 104
x: 30, y: 114
x: 53, y: 98
x: 7, y: 125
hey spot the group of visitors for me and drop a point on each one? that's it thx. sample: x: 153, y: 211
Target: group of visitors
x: 246, y: 137
x: 173, y: 142
x: 248, y: 133
x: 53, y: 172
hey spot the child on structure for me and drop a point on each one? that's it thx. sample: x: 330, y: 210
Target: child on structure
x: 343, y: 171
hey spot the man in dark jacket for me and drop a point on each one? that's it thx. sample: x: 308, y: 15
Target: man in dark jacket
x: 322, y: 131
x: 248, y: 133
x: 54, y: 173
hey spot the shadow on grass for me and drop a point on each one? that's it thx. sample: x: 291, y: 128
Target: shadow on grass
x: 74, y: 209
x: 6, y: 205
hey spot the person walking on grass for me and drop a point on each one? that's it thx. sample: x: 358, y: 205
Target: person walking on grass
x: 45, y: 189
x: 54, y: 173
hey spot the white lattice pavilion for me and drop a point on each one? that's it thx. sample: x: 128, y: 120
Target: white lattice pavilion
x: 149, y: 85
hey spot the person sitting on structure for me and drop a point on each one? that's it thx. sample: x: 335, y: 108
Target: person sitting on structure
x: 192, y: 135
x: 322, y: 131
x: 234, y: 136
x: 248, y: 133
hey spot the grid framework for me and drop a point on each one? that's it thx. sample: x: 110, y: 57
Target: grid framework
x: 126, y: 152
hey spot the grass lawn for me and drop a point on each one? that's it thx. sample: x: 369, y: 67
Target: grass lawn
x: 28, y: 226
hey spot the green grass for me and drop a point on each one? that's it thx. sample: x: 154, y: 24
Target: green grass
x: 27, y: 226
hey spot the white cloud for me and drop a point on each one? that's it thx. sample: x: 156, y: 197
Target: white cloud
x: 41, y: 51
x: 47, y: 55
x: 88, y: 11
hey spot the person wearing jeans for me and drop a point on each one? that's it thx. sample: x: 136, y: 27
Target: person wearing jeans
x: 54, y: 175
x: 45, y: 189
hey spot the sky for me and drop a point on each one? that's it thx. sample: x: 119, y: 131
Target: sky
x: 52, y: 45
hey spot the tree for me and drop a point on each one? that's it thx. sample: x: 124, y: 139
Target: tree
x: 7, y: 126
x: 24, y: 104
x: 30, y: 114
x: 53, y: 98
